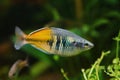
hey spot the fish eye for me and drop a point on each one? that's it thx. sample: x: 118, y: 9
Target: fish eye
x: 86, y: 44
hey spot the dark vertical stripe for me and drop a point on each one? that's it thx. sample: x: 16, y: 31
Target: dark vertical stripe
x: 64, y: 42
x: 50, y: 42
x: 57, y: 43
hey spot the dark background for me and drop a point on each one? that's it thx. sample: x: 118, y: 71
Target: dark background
x: 96, y: 20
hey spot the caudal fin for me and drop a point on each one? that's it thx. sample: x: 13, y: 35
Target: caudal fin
x: 20, y: 38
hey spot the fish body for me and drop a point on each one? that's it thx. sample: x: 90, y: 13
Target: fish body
x: 16, y: 67
x: 53, y: 40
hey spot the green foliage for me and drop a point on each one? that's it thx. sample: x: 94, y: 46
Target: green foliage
x: 95, y: 71
x: 113, y: 70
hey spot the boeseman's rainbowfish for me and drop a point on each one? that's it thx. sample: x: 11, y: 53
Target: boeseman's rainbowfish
x: 53, y: 40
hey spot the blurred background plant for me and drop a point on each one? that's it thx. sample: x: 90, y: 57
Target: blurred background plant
x: 95, y: 20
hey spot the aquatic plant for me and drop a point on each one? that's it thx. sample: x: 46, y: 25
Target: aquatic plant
x: 113, y: 70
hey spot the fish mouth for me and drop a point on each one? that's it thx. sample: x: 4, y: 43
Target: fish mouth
x: 91, y: 45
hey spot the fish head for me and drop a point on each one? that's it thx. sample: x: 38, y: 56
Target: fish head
x: 83, y: 45
x: 88, y: 44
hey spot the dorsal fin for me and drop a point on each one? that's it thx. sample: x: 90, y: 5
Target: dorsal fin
x: 41, y: 29
x: 41, y: 34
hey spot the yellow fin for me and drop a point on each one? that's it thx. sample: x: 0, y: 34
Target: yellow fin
x: 42, y: 46
x: 40, y: 34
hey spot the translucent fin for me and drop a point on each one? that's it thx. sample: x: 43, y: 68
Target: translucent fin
x: 26, y: 61
x: 20, y: 38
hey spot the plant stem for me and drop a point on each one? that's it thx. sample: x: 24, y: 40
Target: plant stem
x: 84, y: 75
x: 64, y: 74
x: 117, y: 49
x: 91, y: 70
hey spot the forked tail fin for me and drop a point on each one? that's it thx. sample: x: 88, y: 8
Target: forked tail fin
x: 20, y: 38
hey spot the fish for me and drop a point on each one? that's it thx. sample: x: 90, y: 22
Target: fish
x: 52, y: 40
x: 17, y: 67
